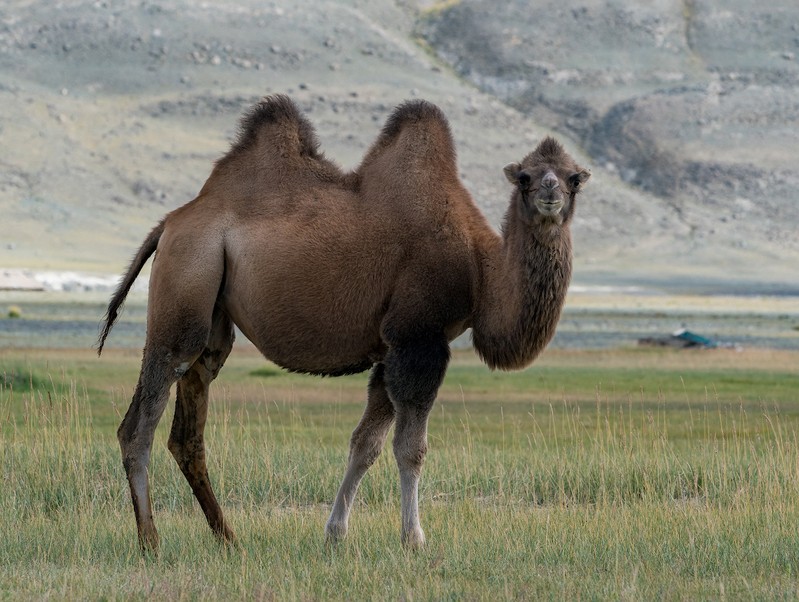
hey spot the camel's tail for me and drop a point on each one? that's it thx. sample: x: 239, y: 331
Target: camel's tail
x: 148, y: 248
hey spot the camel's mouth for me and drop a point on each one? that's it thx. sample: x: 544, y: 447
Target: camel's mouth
x: 549, y: 206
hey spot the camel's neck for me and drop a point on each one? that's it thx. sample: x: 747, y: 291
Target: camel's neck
x: 525, y: 279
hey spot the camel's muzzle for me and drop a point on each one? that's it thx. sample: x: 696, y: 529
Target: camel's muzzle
x: 549, y: 206
x: 549, y: 199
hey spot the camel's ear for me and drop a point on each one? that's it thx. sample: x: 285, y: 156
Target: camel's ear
x: 512, y: 172
x: 576, y: 180
x: 517, y: 176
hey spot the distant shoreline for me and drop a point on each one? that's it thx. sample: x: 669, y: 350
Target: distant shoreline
x: 80, y: 282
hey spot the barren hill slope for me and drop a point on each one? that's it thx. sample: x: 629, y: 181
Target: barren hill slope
x: 112, y: 113
x: 693, y: 101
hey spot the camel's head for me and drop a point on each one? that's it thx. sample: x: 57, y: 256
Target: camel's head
x: 547, y: 182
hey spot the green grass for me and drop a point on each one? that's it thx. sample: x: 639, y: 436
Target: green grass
x: 633, y: 474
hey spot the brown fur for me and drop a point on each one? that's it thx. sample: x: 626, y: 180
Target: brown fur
x: 332, y: 273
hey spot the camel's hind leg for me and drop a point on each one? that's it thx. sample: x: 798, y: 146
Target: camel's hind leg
x: 187, y: 273
x: 160, y: 368
x: 186, y: 438
x: 366, y: 444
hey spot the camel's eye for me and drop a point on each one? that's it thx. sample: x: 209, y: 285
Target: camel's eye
x: 524, y: 179
x: 577, y: 179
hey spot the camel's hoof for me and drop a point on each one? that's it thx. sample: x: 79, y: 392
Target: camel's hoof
x: 413, y: 539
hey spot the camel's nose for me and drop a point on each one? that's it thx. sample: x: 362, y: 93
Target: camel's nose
x: 549, y: 181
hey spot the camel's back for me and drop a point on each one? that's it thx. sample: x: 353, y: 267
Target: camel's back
x: 275, y: 189
x: 408, y: 179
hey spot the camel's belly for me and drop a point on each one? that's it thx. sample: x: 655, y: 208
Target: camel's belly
x: 309, y: 334
x: 311, y: 299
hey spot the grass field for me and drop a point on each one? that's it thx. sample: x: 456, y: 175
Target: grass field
x: 629, y: 474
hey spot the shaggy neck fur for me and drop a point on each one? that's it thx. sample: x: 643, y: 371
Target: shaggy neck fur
x: 524, y: 287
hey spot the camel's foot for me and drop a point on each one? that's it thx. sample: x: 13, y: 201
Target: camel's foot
x: 413, y: 539
x: 228, y: 538
x: 230, y: 544
x: 335, y: 531
x: 149, y: 541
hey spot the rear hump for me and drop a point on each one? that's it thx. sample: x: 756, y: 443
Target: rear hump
x: 275, y: 141
x: 280, y: 119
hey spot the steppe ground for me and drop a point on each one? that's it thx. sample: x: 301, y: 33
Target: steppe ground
x: 618, y: 474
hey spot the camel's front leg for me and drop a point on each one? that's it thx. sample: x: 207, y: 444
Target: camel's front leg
x: 410, y: 447
x: 413, y: 375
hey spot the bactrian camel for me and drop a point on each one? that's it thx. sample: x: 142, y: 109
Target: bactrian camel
x: 333, y: 273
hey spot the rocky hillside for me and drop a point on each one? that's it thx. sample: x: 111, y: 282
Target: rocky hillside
x: 694, y: 102
x: 112, y: 113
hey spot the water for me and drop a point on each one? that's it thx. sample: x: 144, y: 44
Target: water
x: 66, y: 323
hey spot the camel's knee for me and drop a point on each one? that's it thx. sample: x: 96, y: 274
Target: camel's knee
x: 149, y: 401
x: 177, y: 449
x: 134, y: 448
x: 137, y: 429
x: 410, y: 456
x: 187, y: 446
x: 123, y: 433
x: 187, y: 452
x: 365, y: 448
